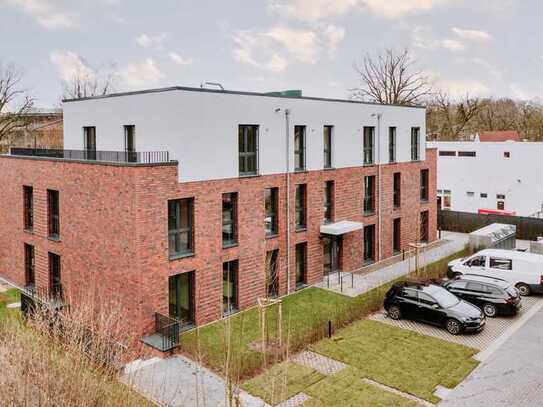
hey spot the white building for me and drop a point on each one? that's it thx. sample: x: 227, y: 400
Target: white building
x: 501, y: 176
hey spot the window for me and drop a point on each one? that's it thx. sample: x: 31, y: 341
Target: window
x: 445, y: 299
x: 397, y: 235
x: 130, y: 142
x: 301, y: 261
x: 181, y: 297
x: 424, y: 226
x: 415, y: 143
x: 248, y: 149
x: 30, y: 278
x: 506, y: 154
x: 272, y: 282
x: 476, y: 287
x: 467, y: 154
x: 500, y: 205
x: 470, y: 194
x: 501, y: 264
x: 53, y: 214
x: 484, y: 195
x: 369, y: 194
x: 447, y: 153
x: 424, y: 184
x: 426, y: 299
x: 28, y: 215
x: 478, y: 261
x: 500, y: 196
x: 446, y: 203
x: 180, y: 227
x: 392, y: 144
x: 369, y: 133
x: 230, y: 287
x: 299, y: 148
x: 410, y: 294
x: 328, y: 131
x: 369, y: 244
x: 301, y: 217
x: 328, y: 201
x: 270, y: 203
x: 397, y: 189
x: 89, y: 138
x: 55, y: 287
x: 459, y: 285
x: 229, y: 219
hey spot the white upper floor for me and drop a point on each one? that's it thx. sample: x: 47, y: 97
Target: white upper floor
x: 199, y: 127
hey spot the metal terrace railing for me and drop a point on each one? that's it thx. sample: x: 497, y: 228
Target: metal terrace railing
x: 168, y: 329
x: 128, y: 157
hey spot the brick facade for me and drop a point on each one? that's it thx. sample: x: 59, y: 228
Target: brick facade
x: 113, y: 228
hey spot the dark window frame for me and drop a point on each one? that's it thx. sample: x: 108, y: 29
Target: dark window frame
x: 245, y: 154
x: 272, y: 285
x: 369, y: 244
x: 30, y: 265
x: 424, y: 184
x: 300, y: 148
x: 53, y: 214
x: 392, y: 131
x: 328, y: 137
x: 28, y: 211
x: 271, y: 211
x: 397, y: 190
x: 179, y: 230
x: 424, y: 226
x: 89, y: 141
x: 232, y: 220
x: 301, y: 265
x: 230, y: 270
x: 301, y: 206
x: 447, y: 153
x: 369, y: 195
x: 415, y: 143
x: 369, y: 145
x: 55, y: 275
x: 467, y: 154
x: 328, y: 201
x: 129, y: 132
x: 396, y: 235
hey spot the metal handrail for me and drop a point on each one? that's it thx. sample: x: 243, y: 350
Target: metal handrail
x: 169, y: 329
x: 129, y: 157
x: 347, y: 275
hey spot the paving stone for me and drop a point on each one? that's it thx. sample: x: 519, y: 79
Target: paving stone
x: 320, y: 363
x: 295, y: 400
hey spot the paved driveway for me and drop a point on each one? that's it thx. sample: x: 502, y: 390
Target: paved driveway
x: 511, y: 376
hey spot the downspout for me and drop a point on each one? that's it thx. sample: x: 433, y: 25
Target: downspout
x: 287, y: 125
x: 379, y: 186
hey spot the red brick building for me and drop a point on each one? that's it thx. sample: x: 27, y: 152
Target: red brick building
x: 130, y: 227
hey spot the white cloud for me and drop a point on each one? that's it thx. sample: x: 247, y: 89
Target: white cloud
x: 472, y: 35
x: 151, y: 41
x: 452, y: 45
x: 459, y: 88
x: 141, y: 74
x: 178, y: 59
x: 70, y: 65
x: 279, y: 46
x: 422, y: 37
x: 400, y: 8
x: 45, y: 13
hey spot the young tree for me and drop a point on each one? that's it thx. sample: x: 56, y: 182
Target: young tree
x: 14, y: 101
x: 391, y: 77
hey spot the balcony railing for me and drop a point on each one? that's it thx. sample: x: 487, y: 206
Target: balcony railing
x: 128, y: 157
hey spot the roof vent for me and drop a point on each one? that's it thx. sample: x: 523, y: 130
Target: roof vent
x: 216, y: 84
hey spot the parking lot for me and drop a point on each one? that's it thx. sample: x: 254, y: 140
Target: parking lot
x: 494, y: 329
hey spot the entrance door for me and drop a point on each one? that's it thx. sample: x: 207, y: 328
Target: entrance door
x: 332, y: 250
x: 181, y: 297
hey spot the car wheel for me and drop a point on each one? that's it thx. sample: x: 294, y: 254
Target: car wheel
x: 453, y: 326
x: 523, y: 289
x: 490, y: 310
x: 394, y: 312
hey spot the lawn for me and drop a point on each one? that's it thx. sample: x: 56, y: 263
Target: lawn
x: 8, y: 297
x: 305, y: 321
x: 399, y: 358
x: 281, y: 382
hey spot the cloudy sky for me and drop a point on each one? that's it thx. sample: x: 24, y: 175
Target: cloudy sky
x: 484, y: 47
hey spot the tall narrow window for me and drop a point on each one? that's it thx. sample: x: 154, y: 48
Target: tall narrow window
x: 180, y: 227
x: 53, y: 214
x: 415, y: 143
x: 230, y: 287
x: 248, y: 149
x: 299, y: 148
x: 301, y: 203
x: 369, y: 243
x: 397, y: 235
x: 328, y: 201
x: 369, y: 133
x: 424, y: 185
x: 369, y: 194
x: 328, y: 131
x: 89, y: 142
x: 392, y: 144
x: 272, y: 281
x: 424, y: 226
x: 28, y: 215
x: 397, y: 190
x: 55, y: 286
x: 229, y: 219
x: 30, y: 278
x: 130, y: 142
x: 271, y: 203
x: 301, y: 264
x: 181, y: 297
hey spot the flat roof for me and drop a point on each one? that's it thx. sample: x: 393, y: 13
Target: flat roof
x: 232, y: 92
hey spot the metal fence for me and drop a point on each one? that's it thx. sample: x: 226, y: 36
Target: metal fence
x: 168, y: 328
x: 465, y: 222
x: 135, y: 157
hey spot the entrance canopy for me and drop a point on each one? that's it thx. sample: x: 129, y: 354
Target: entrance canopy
x: 341, y: 227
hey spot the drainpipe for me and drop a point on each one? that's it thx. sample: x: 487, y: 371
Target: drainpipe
x: 287, y: 125
x: 378, y: 115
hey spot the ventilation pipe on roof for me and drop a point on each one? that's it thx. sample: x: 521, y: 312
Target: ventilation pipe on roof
x: 218, y: 85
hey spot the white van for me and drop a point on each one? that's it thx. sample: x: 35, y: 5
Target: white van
x: 524, y: 270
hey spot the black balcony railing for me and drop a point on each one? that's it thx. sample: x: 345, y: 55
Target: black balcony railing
x: 168, y: 329
x: 52, y: 297
x: 135, y: 157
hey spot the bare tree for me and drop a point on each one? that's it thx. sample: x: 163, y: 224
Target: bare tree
x: 391, y: 77
x: 14, y: 102
x: 87, y: 84
x: 448, y: 119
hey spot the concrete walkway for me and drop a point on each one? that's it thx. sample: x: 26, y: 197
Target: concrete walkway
x: 361, y: 283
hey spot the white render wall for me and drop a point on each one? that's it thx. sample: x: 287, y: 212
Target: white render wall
x: 200, y: 129
x: 519, y: 178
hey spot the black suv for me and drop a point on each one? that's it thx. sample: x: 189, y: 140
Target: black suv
x: 433, y: 304
x: 494, y: 296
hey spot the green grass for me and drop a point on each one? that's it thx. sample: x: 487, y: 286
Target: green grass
x: 281, y: 382
x: 400, y: 358
x: 346, y: 389
x: 305, y: 321
x: 8, y: 297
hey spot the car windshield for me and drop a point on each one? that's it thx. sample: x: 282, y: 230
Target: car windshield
x: 445, y: 298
